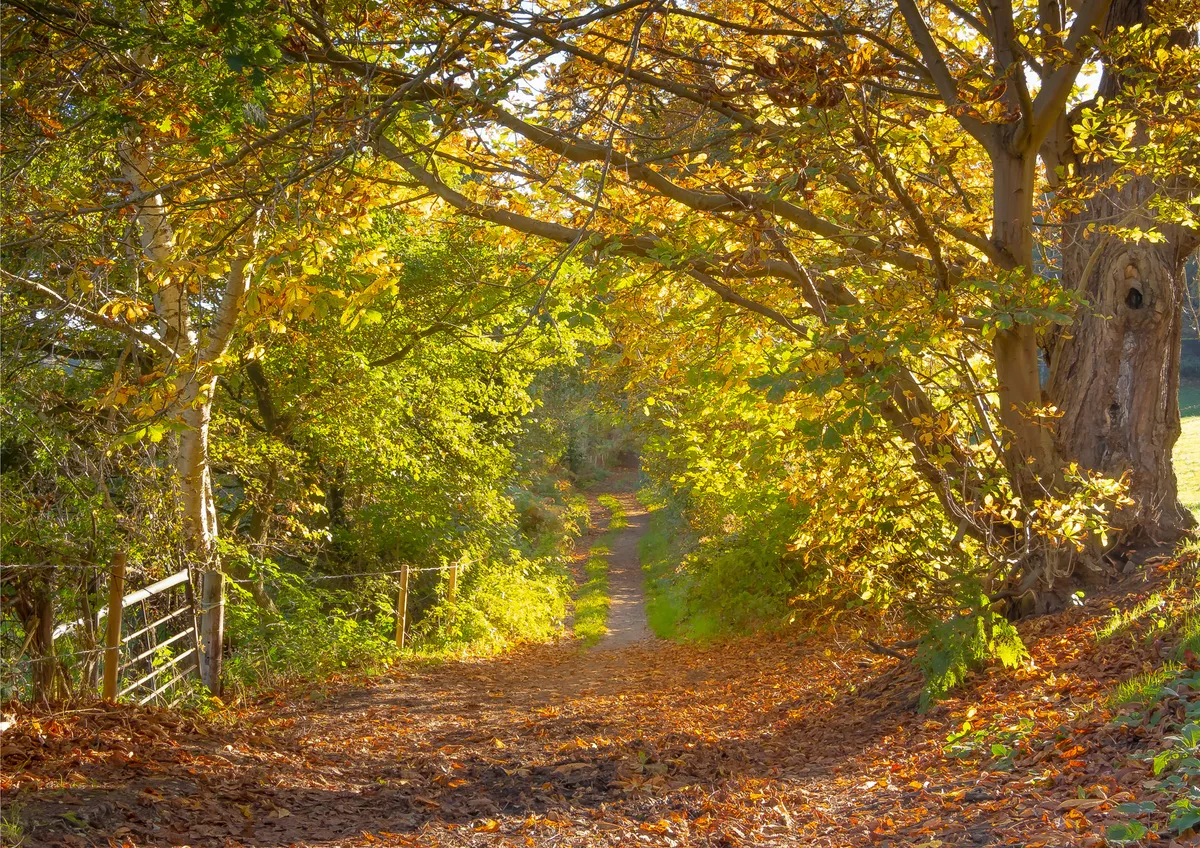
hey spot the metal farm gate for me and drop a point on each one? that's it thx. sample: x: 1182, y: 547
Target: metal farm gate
x: 142, y: 646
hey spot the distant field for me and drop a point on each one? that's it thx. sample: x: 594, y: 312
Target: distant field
x: 1187, y: 449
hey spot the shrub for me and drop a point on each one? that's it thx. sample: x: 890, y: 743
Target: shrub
x: 499, y: 604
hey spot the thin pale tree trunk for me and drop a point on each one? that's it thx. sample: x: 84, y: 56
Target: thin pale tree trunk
x: 195, y: 390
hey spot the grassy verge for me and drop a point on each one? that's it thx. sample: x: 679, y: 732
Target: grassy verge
x: 1160, y: 697
x: 663, y: 549
x: 617, y: 518
x: 1187, y: 449
x: 592, y: 602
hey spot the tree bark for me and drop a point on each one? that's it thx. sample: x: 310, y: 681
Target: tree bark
x: 1115, y: 374
x: 42, y: 646
x: 1030, y: 456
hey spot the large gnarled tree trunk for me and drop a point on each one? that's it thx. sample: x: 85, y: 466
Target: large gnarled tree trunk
x: 1115, y: 373
x: 1116, y: 376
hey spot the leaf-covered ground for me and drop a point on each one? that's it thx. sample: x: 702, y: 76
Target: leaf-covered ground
x: 805, y: 741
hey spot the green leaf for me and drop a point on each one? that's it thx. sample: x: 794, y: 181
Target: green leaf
x: 1124, y: 833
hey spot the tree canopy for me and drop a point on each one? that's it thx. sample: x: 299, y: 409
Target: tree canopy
x: 892, y: 293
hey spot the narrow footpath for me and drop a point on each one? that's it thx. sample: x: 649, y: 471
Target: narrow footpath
x: 801, y: 739
x: 627, y: 613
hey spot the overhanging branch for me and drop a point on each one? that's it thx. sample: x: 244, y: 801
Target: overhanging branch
x: 91, y: 316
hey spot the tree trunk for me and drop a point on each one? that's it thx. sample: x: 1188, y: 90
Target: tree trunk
x: 260, y: 525
x: 1115, y: 374
x: 196, y: 385
x: 1030, y: 457
x: 42, y: 645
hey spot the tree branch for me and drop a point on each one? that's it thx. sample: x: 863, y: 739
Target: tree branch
x: 637, y: 246
x: 883, y: 650
x: 580, y: 151
x: 237, y: 281
x: 408, y: 347
x: 966, y: 17
x: 94, y: 317
x: 1052, y: 97
x: 924, y: 231
x: 609, y: 64
x: 942, y: 78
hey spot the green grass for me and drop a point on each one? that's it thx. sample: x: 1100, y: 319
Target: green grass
x: 1178, y: 621
x: 1187, y: 449
x: 1189, y: 637
x: 592, y: 602
x: 617, y: 520
x: 664, y: 597
x: 1185, y: 624
x: 1122, y: 620
x: 1144, y: 688
x: 662, y: 551
x: 12, y: 832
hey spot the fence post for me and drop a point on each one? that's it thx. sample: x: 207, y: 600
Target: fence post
x: 90, y: 677
x: 212, y: 626
x: 402, y: 607
x: 189, y: 595
x: 453, y: 591
x: 112, y: 638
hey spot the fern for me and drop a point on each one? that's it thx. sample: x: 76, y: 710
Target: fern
x: 950, y: 650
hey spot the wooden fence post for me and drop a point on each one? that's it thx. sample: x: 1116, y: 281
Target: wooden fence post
x: 112, y: 638
x: 189, y: 595
x: 90, y: 676
x: 212, y: 627
x: 402, y: 607
x: 452, y: 593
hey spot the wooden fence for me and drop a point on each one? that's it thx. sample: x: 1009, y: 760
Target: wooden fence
x: 402, y: 598
x: 156, y: 638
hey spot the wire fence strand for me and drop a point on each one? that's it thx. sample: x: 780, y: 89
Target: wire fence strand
x: 385, y: 573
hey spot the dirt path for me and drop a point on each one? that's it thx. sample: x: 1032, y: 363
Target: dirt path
x: 627, y: 614
x: 808, y: 742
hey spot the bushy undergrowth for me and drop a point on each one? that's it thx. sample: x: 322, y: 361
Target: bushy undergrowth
x: 663, y: 549
x: 699, y: 588
x: 498, y: 605
x: 951, y: 649
x: 314, y: 633
x: 511, y: 589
